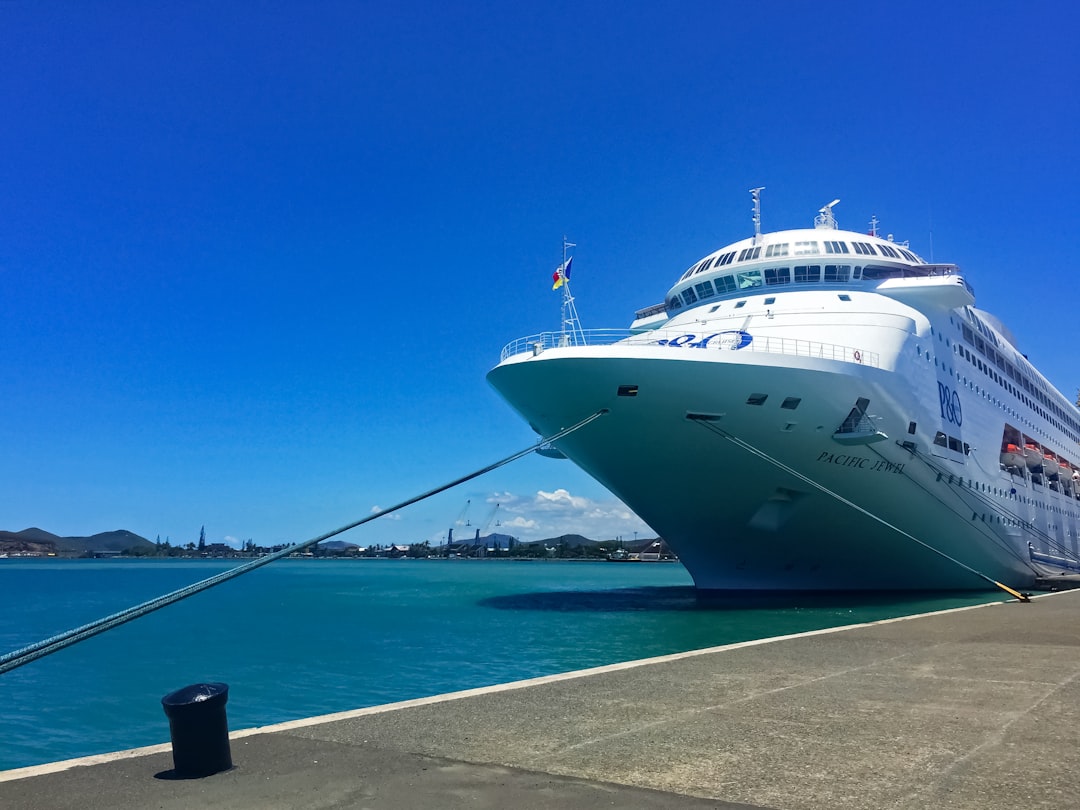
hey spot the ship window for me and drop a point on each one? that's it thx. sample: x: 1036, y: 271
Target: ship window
x: 724, y: 284
x: 954, y: 444
x: 807, y: 273
x: 740, y: 304
x: 856, y: 274
x: 675, y: 303
x: 714, y: 308
x: 911, y: 428
x: 836, y: 247
x: 703, y: 266
x: 756, y: 399
x: 844, y: 297
x: 725, y: 259
x: 888, y: 251
x: 705, y: 289
x: 749, y: 253
x: 864, y: 248
x: 751, y: 278
x: 627, y: 391
x: 877, y: 271
x: 837, y: 272
x: 940, y: 439
x: 770, y: 300
x: 778, y: 275
x: 806, y: 248
x: 776, y: 250
x: 911, y: 257
x: 688, y: 296
x: 791, y: 403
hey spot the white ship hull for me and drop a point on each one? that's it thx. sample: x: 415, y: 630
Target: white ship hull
x: 735, y: 450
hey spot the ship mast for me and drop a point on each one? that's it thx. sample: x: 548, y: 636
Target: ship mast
x: 572, y: 334
x: 755, y: 193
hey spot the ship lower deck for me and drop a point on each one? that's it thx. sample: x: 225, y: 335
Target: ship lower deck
x: 736, y: 466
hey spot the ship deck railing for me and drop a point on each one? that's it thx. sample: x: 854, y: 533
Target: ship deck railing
x: 720, y: 341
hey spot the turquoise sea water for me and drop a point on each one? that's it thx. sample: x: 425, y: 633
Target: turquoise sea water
x: 301, y: 638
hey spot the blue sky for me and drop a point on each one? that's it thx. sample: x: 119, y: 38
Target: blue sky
x: 257, y: 257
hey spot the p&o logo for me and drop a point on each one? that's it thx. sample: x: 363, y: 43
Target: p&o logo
x: 949, y: 401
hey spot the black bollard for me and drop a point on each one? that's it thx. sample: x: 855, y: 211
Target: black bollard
x: 199, y: 729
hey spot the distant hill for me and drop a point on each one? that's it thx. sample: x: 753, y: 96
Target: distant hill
x: 577, y: 540
x: 119, y: 540
x: 38, y: 540
x: 337, y: 545
x: 30, y: 535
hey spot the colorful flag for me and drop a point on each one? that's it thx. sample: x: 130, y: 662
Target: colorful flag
x: 562, y: 274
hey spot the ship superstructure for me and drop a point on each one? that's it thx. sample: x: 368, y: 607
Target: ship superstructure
x: 819, y: 409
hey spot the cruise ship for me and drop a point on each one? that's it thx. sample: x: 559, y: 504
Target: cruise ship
x: 818, y: 409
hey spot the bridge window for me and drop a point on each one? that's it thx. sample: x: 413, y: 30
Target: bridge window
x: 724, y: 284
x: 776, y: 250
x: 836, y: 247
x: 751, y: 278
x: 837, y: 272
x: 864, y: 248
x: 705, y: 289
x: 807, y: 273
x: 778, y: 275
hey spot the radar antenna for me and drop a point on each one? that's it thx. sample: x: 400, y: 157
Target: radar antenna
x: 756, y: 194
x: 825, y: 219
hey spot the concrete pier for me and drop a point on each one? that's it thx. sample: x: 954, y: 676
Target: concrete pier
x: 973, y: 708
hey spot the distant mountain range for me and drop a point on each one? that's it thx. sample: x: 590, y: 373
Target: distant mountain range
x: 39, y: 540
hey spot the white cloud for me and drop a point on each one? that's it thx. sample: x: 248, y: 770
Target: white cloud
x: 391, y: 516
x: 550, y: 514
x: 518, y: 522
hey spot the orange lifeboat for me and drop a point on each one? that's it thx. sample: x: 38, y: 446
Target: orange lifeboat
x: 1033, y: 455
x: 1011, y: 455
x: 1050, y: 465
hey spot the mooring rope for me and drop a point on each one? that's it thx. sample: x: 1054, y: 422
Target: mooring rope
x: 766, y: 457
x: 55, y: 643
